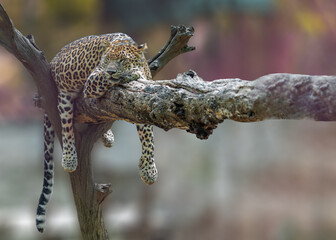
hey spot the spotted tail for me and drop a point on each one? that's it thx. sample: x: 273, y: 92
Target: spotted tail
x: 48, y: 180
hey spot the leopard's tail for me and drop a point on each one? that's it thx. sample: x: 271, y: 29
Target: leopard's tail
x: 48, y: 180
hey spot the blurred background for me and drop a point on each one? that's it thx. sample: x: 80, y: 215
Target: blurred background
x: 249, y: 181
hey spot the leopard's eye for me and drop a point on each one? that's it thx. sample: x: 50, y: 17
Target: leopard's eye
x: 111, y: 72
x: 122, y: 61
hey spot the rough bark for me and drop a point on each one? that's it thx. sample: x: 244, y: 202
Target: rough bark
x: 187, y: 102
x: 89, y: 195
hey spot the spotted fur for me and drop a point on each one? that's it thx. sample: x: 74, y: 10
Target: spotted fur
x: 92, y: 65
x: 48, y: 180
x: 147, y: 168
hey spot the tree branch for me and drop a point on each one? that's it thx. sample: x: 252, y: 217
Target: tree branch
x: 190, y: 103
x: 176, y: 45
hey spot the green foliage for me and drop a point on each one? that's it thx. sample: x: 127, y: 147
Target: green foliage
x: 65, y: 11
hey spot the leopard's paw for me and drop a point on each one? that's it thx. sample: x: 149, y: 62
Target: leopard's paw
x: 148, y: 171
x: 69, y: 161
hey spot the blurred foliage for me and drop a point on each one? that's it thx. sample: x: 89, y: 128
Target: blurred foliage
x: 310, y: 22
x: 234, y: 38
x: 74, y: 12
x: 146, y: 13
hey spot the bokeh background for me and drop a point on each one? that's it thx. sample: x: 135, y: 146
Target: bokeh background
x: 269, y: 180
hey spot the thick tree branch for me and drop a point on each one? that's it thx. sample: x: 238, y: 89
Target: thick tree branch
x: 190, y: 103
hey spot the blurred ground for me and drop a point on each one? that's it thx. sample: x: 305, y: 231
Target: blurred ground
x: 268, y: 180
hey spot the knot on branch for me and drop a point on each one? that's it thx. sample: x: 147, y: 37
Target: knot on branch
x: 202, y: 131
x: 102, y: 191
x: 191, y: 73
x: 37, y: 100
x: 31, y: 39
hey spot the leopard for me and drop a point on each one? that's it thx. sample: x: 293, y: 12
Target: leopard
x: 91, y: 66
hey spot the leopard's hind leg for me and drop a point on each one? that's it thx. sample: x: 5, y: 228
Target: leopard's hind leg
x: 147, y: 168
x: 65, y: 108
x: 48, y: 180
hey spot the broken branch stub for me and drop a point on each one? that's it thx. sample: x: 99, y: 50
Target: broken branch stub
x: 176, y: 45
x: 187, y: 102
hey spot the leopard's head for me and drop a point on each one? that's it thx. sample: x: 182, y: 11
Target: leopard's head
x: 125, y: 60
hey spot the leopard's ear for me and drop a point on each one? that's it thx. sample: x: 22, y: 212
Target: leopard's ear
x: 142, y: 47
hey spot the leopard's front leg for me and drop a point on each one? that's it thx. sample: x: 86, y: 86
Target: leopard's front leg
x: 65, y: 108
x: 147, y: 168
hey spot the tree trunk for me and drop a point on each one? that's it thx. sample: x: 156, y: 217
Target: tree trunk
x: 87, y: 194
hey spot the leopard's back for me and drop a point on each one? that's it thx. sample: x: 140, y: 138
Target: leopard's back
x: 73, y: 64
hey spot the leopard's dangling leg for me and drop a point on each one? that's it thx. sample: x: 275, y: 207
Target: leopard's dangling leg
x: 147, y: 168
x: 65, y: 108
x: 48, y: 180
